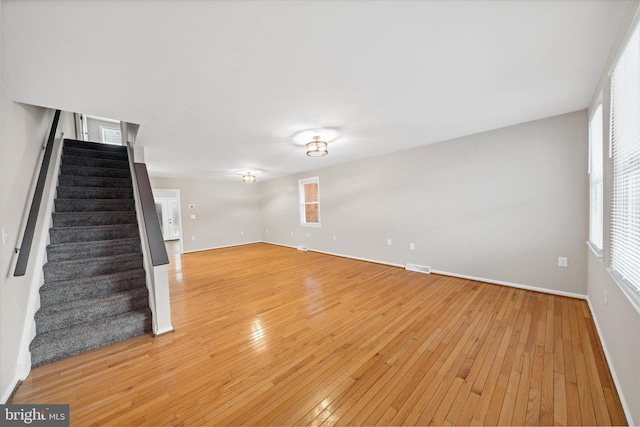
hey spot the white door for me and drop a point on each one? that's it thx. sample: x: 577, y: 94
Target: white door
x: 167, y: 210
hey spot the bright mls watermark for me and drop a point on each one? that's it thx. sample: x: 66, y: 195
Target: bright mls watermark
x: 34, y: 415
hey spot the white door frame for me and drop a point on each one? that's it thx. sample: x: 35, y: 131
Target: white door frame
x: 176, y: 192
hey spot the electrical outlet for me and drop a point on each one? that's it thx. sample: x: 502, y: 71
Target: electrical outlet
x: 193, y: 237
x: 242, y: 232
x: 412, y: 246
x: 562, y: 261
x: 193, y: 216
x: 389, y: 242
x: 334, y: 238
x: 307, y: 234
x: 267, y: 231
x: 292, y: 233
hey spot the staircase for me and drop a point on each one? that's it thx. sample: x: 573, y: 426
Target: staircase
x: 94, y: 290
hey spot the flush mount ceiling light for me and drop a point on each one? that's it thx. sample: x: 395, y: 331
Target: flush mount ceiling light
x: 317, y: 148
x: 304, y: 136
x: 248, y: 177
x: 320, y: 136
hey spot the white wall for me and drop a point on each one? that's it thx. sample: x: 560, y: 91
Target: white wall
x: 619, y: 321
x: 226, y: 213
x: 501, y: 205
x: 24, y: 130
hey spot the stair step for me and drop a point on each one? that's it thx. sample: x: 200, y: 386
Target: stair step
x: 81, y: 250
x: 93, y: 181
x: 94, y: 171
x: 79, y: 219
x: 95, y: 163
x: 75, y: 269
x: 93, y: 233
x: 90, y: 287
x: 94, y: 290
x: 74, y: 143
x: 59, y: 316
x: 95, y: 205
x: 61, y: 343
x: 94, y: 193
x: 93, y: 153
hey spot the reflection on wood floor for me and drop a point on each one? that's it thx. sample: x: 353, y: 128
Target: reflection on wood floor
x: 173, y: 247
x: 267, y: 335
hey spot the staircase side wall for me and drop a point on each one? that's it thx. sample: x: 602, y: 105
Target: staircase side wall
x: 23, y: 131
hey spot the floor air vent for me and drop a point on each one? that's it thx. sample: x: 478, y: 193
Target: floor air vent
x: 303, y: 248
x: 418, y: 268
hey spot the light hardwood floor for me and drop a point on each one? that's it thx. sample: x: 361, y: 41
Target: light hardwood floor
x: 267, y: 335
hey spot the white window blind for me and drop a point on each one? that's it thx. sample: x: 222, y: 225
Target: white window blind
x: 111, y: 136
x: 625, y: 153
x: 596, y: 200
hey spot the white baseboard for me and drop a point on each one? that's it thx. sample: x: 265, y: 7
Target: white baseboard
x: 163, y: 331
x: 625, y: 406
x: 336, y: 254
x: 358, y: 258
x: 278, y: 244
x: 513, y: 285
x: 6, y: 393
x: 225, y: 246
x: 20, y: 373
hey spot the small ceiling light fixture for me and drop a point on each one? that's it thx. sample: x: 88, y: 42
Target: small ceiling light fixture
x: 248, y: 177
x: 317, y: 148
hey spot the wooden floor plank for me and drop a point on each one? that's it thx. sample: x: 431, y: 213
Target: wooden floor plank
x: 260, y: 340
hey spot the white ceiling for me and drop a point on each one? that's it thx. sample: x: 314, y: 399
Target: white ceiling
x: 221, y: 86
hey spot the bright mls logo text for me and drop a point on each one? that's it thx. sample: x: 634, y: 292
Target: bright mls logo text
x: 38, y: 415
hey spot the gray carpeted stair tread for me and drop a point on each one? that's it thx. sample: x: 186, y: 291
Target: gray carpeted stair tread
x: 94, y: 171
x: 95, y: 154
x: 88, y: 145
x: 94, y: 163
x: 93, y: 181
x: 74, y: 269
x: 87, y: 287
x: 94, y: 205
x: 56, y: 345
x: 79, y: 219
x: 93, y: 249
x: 59, y: 316
x: 94, y: 193
x: 91, y: 233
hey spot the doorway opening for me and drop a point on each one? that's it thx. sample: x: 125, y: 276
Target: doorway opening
x: 98, y: 129
x: 168, y: 209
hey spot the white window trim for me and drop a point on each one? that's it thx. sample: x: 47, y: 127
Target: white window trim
x: 598, y: 113
x: 301, y: 184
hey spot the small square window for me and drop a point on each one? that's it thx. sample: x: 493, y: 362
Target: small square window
x: 111, y: 136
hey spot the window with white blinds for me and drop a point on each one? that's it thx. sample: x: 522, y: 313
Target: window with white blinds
x: 596, y: 186
x: 111, y: 136
x: 625, y: 153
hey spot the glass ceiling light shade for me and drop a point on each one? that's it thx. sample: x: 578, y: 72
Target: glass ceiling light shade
x: 248, y: 177
x: 317, y: 148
